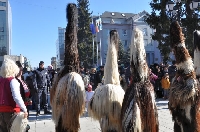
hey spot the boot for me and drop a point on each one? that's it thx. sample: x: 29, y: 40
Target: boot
x: 47, y: 112
x: 38, y: 113
x: 27, y: 127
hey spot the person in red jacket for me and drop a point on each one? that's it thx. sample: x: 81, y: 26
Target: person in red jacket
x: 11, y: 102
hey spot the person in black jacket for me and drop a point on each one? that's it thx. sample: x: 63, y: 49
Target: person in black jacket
x: 93, y: 79
x: 41, y: 81
x: 100, y: 74
x: 172, y: 70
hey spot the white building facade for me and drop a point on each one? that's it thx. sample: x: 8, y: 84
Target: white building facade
x: 124, y: 23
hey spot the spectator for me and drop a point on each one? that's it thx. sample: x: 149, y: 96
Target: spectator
x: 41, y: 82
x: 51, y: 73
x: 152, y: 77
x: 100, y: 74
x: 172, y: 71
x: 24, y: 90
x: 165, y: 70
x: 29, y: 82
x: 162, y: 67
x: 10, y: 98
x: 89, y: 94
x: 82, y: 70
x: 93, y: 78
x: 159, y: 74
x: 165, y: 84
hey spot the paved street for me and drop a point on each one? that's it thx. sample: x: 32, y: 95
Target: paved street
x: 45, y: 124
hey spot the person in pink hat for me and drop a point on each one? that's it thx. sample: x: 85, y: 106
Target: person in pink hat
x: 89, y: 94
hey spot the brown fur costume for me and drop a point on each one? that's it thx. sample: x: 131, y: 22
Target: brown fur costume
x: 106, y: 102
x: 139, y: 112
x: 183, y: 97
x: 68, y: 92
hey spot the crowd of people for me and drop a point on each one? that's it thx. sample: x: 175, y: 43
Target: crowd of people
x: 161, y: 76
x: 96, y: 75
x: 35, y: 85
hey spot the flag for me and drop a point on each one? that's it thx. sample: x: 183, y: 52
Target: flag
x: 98, y: 23
x: 92, y: 28
x: 97, y: 29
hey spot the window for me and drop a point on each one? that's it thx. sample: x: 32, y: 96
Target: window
x: 1, y: 37
x: 4, y: 4
x: 112, y: 21
x: 124, y: 32
x: 145, y: 42
x: 125, y: 43
x: 145, y: 32
x: 1, y: 29
x: 108, y: 32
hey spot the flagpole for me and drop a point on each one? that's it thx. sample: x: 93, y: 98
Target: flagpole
x: 97, y: 46
x: 100, y: 28
x: 100, y: 48
x: 97, y: 26
x: 92, y: 45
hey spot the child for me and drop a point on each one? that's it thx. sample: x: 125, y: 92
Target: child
x: 89, y: 94
x: 165, y: 84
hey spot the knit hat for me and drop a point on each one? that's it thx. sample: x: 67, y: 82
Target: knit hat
x: 19, y: 64
x: 89, y: 89
x: 41, y: 62
x: 89, y: 86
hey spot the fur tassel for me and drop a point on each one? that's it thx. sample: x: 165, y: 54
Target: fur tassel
x: 139, y: 113
x: 139, y: 66
x: 68, y: 101
x: 111, y: 73
x: 183, y: 95
x: 68, y: 91
x: 105, y: 106
x: 106, y: 102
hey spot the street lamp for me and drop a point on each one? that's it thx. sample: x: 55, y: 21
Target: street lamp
x: 194, y: 4
x: 170, y: 6
x: 176, y: 11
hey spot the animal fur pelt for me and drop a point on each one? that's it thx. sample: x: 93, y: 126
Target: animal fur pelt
x: 106, y: 102
x: 67, y: 95
x: 197, y: 53
x: 105, y: 106
x: 139, y: 112
x: 183, y: 96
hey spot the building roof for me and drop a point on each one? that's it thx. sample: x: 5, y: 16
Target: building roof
x: 107, y: 14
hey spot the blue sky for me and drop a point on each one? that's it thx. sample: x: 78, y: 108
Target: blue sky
x: 35, y: 23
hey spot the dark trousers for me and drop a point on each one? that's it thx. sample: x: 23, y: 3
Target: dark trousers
x: 41, y: 94
x: 6, y: 121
